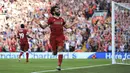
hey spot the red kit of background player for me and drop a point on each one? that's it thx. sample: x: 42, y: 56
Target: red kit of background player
x: 23, y: 41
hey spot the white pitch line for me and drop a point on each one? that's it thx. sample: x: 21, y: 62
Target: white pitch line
x: 72, y: 68
x: 123, y: 64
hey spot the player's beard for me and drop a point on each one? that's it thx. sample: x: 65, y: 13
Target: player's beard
x: 57, y: 13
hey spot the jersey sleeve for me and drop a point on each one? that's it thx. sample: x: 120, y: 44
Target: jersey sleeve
x: 63, y: 21
x: 49, y: 21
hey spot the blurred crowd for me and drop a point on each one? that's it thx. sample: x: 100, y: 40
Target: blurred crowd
x: 88, y: 35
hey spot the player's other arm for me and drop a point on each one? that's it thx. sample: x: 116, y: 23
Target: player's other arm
x: 29, y: 36
x: 68, y: 25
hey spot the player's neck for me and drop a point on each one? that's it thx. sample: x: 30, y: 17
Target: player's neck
x: 22, y: 28
x: 57, y: 16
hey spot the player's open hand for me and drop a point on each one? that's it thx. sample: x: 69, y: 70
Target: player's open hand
x: 37, y: 21
x: 75, y: 22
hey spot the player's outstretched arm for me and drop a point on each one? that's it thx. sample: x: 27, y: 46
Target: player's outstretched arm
x: 68, y: 25
x: 42, y: 26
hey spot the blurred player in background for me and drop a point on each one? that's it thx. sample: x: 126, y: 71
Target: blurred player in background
x: 57, y: 37
x: 23, y: 41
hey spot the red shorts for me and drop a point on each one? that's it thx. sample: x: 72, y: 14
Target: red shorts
x: 56, y: 41
x: 24, y: 46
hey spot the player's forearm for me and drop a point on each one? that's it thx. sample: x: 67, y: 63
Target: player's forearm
x: 29, y: 37
x: 43, y: 26
x: 70, y: 25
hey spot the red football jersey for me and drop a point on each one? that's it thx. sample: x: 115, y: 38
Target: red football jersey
x: 56, y: 25
x: 22, y: 34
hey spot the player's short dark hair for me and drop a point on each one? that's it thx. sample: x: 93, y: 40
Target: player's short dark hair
x: 53, y: 9
x: 22, y: 25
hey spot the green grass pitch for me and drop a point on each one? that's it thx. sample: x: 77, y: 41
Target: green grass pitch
x: 68, y: 66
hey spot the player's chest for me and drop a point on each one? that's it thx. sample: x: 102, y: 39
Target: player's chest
x: 57, y: 21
